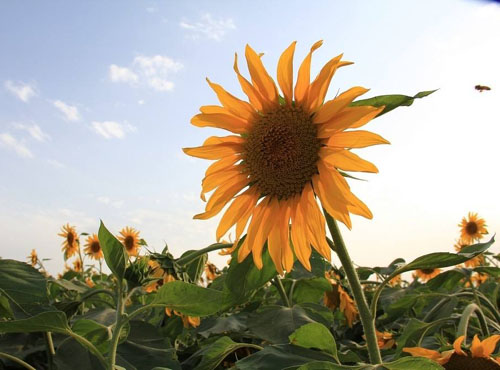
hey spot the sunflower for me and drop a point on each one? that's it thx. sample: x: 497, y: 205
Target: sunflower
x: 33, y: 258
x: 71, y: 242
x: 210, y: 271
x: 130, y: 239
x: 156, y: 275
x: 478, y: 357
x: 384, y: 339
x: 187, y: 321
x: 473, y: 262
x: 287, y: 152
x: 479, y: 278
x: 395, y: 281
x: 339, y: 298
x: 90, y: 283
x: 473, y: 229
x: 77, y: 265
x: 93, y: 247
x: 426, y: 274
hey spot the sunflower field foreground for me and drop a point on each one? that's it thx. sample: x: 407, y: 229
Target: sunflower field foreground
x: 284, y: 300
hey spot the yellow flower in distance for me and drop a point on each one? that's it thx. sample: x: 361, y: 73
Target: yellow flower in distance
x: 77, y: 265
x: 457, y: 359
x: 425, y: 275
x: 473, y: 262
x: 210, y: 271
x: 130, y: 239
x: 33, y: 258
x: 339, y: 298
x: 71, y: 241
x: 284, y: 156
x: 93, y: 247
x: 473, y: 228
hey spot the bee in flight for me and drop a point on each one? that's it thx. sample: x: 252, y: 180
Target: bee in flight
x: 482, y: 88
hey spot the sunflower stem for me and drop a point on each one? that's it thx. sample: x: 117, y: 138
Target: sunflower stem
x: 367, y: 320
x: 281, y: 290
x: 119, y: 322
x: 464, y: 321
x: 17, y: 361
x: 191, y: 257
x: 50, y: 349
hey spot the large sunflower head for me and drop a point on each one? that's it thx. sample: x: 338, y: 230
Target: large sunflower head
x: 286, y: 153
x: 472, y: 228
x: 93, y: 247
x: 425, y: 275
x: 130, y: 239
x: 71, y: 241
x: 477, y: 357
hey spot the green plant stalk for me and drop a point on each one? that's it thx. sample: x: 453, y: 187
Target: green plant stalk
x: 281, y: 290
x: 464, y: 321
x: 213, y: 247
x: 119, y: 322
x: 367, y: 320
x: 50, y: 349
x: 17, y: 360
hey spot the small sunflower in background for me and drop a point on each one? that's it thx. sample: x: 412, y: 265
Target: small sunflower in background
x: 130, y: 239
x: 210, y: 271
x: 339, y: 298
x: 472, y: 228
x: 473, y: 262
x: 93, y: 247
x: 187, y: 321
x: 425, y: 275
x: 478, y: 357
x: 77, y: 265
x: 156, y: 276
x: 287, y: 152
x: 478, y: 278
x: 71, y: 241
x: 33, y: 258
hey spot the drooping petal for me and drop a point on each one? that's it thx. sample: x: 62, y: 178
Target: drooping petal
x: 316, y: 224
x: 347, y: 161
x: 236, y: 211
x: 332, y: 107
x: 220, y: 120
x: 355, y: 139
x: 457, y: 345
x: 258, y: 101
x: 212, y: 140
x: 304, y: 75
x: 487, y: 347
x: 319, y: 86
x: 234, y: 105
x: 260, y: 78
x: 301, y: 245
x: 422, y: 352
x: 213, y: 109
x: 285, y: 73
x: 269, y: 220
x: 244, y: 250
x: 216, y: 151
x: 287, y: 257
x: 350, y: 117
x: 213, y: 181
x: 222, y: 164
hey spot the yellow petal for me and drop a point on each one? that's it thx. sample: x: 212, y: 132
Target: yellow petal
x: 357, y: 207
x: 260, y: 78
x: 219, y: 120
x: 274, y: 245
x: 236, y: 211
x: 488, y: 346
x: 216, y: 151
x: 355, y: 139
x: 244, y: 250
x: 304, y: 75
x: 233, y: 139
x: 316, y: 224
x: 347, y: 161
x: 222, y: 164
x: 210, y: 182
x: 301, y: 245
x: 287, y: 257
x: 457, y: 345
x: 255, y: 97
x: 285, y: 73
x: 319, y: 86
x: 334, y: 106
x: 350, y: 117
x: 258, y: 238
x: 422, y: 352
x: 234, y: 105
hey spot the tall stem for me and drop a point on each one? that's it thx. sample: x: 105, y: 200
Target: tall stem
x: 119, y: 321
x: 281, y: 290
x: 365, y: 315
x: 17, y: 361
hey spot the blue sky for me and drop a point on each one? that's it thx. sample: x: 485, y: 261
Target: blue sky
x: 96, y: 99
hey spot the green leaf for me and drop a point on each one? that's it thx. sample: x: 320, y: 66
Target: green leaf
x: 447, y: 280
x: 413, y: 363
x: 323, y: 365
x: 314, y: 335
x: 244, y: 277
x: 114, y: 252
x: 54, y: 321
x: 194, y: 269
x: 190, y: 299
x: 236, y: 323
x: 444, y: 259
x: 391, y: 101
x: 276, y: 323
x: 22, y: 284
x: 72, y: 355
x: 490, y: 270
x: 96, y: 333
x: 412, y: 331
x: 310, y: 290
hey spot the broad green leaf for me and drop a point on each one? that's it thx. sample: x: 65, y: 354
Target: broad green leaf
x: 98, y: 334
x: 411, y: 333
x: 314, y: 335
x: 114, y: 252
x: 447, y: 280
x: 235, y: 323
x: 54, y: 321
x: 70, y: 354
x: 391, y: 101
x: 444, y: 259
x: 190, y: 299
x: 276, y: 323
x: 310, y: 290
x: 24, y: 285
x: 74, y: 284
x: 413, y: 363
x: 490, y: 270
x: 244, y: 277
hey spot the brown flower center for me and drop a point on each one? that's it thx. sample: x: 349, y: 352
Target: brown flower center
x: 427, y: 271
x: 95, y: 247
x: 459, y: 362
x: 70, y: 238
x: 471, y: 228
x: 281, y: 152
x: 129, y: 242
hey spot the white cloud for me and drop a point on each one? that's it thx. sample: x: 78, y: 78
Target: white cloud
x: 10, y: 142
x: 55, y: 163
x: 153, y: 72
x: 209, y: 27
x: 122, y: 74
x: 112, y: 129
x: 108, y: 201
x: 21, y: 90
x: 140, y: 102
x: 34, y: 130
x: 70, y: 111
x: 151, y: 9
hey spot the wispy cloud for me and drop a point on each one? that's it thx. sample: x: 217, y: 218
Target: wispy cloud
x: 55, y: 163
x: 34, y: 130
x: 21, y: 90
x: 112, y: 129
x: 151, y: 71
x: 11, y: 143
x: 208, y: 27
x: 70, y: 112
x: 108, y: 201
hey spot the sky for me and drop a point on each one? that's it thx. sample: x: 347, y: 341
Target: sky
x: 96, y: 99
